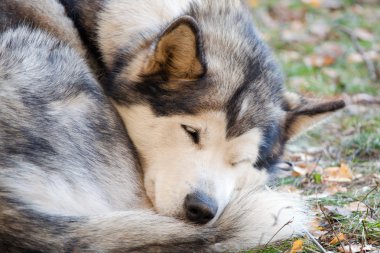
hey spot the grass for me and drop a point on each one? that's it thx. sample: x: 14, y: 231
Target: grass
x: 351, y: 77
x: 352, y: 136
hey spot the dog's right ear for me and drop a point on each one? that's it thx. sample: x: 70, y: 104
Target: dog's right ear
x: 302, y: 113
x: 178, y: 52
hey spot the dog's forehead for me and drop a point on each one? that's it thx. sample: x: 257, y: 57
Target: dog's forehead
x: 249, y: 92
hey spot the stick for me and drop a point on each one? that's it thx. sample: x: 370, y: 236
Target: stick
x: 287, y: 223
x: 311, y: 237
x: 373, y: 72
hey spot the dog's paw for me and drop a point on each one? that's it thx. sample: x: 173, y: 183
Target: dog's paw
x: 255, y: 218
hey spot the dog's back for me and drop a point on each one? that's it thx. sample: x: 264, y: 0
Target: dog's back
x: 63, y: 150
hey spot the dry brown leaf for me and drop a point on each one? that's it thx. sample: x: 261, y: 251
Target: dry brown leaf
x: 334, y: 188
x: 253, y: 3
x: 340, y: 237
x: 338, y: 174
x: 319, y: 60
x: 298, y: 171
x: 297, y: 246
x: 302, y: 168
x: 316, y: 230
x: 313, y: 3
x: 282, y: 12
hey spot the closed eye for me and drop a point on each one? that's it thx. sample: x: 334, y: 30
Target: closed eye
x: 192, y: 132
x: 241, y: 161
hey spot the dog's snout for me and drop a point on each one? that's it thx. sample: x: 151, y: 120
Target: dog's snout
x: 200, y: 208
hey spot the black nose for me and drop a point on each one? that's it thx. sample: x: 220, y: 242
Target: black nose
x: 200, y: 208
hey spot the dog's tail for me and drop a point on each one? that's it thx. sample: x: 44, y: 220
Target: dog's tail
x: 252, y: 218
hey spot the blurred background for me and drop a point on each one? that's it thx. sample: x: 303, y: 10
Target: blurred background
x: 331, y: 48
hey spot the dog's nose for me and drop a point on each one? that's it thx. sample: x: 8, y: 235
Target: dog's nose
x: 200, y: 208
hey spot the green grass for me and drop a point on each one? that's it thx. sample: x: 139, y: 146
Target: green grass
x: 352, y: 137
x: 353, y: 77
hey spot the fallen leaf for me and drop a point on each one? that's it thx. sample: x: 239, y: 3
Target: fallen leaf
x: 284, y: 13
x: 357, y: 207
x: 355, y: 248
x: 290, y: 55
x: 335, y: 188
x: 340, y: 237
x: 253, y: 3
x: 363, y: 98
x: 338, y: 174
x: 313, y: 3
x: 332, y: 4
x: 363, y: 34
x: 332, y: 73
x: 297, y: 246
x: 337, y: 210
x: 318, y: 233
x: 358, y: 58
x: 288, y: 35
x: 325, y: 55
x: 319, y: 60
x: 303, y: 168
x: 289, y: 188
x: 320, y: 29
x: 332, y: 49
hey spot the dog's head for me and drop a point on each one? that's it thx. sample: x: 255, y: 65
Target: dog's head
x: 205, y: 107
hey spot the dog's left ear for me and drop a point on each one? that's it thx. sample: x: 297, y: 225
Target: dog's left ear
x: 177, y: 52
x: 302, y: 113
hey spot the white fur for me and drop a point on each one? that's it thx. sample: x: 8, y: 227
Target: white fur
x: 174, y: 166
x: 262, y: 216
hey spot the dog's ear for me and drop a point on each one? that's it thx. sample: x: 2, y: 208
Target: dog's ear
x: 303, y: 113
x: 178, y: 52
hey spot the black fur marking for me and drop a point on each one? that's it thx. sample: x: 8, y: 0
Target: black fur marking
x: 23, y: 143
x: 268, y: 156
x: 112, y: 86
x: 166, y: 101
x: 83, y: 13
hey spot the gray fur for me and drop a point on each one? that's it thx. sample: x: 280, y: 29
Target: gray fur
x: 69, y: 177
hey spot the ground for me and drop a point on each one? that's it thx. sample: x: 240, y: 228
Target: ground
x: 331, y: 48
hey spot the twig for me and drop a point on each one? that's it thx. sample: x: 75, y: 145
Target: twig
x: 311, y: 237
x: 287, y: 223
x: 371, y: 67
x: 368, y: 193
x: 366, y: 196
x: 278, y: 215
x: 364, y: 241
